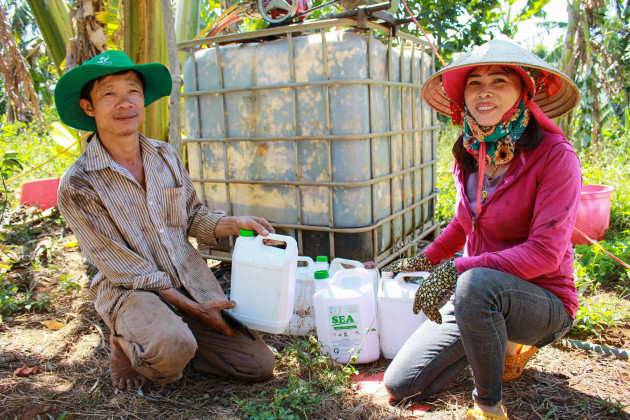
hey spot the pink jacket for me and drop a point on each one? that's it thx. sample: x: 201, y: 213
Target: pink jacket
x: 524, y: 227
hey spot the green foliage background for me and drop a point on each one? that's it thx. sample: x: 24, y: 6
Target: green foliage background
x: 34, y: 145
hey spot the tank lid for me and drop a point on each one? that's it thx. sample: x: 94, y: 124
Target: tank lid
x: 246, y: 233
x: 369, y: 265
x: 321, y: 275
x: 321, y: 258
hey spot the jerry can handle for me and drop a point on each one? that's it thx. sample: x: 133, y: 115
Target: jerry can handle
x: 287, y: 240
x: 304, y: 259
x: 338, y: 263
x: 400, y: 278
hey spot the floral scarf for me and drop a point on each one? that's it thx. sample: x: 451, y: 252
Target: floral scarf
x: 500, y: 138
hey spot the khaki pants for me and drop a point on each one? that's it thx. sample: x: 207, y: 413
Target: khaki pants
x: 159, y: 343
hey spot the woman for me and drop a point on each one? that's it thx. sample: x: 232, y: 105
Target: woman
x: 518, y: 186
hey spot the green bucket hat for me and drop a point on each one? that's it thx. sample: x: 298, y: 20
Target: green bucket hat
x: 157, y: 83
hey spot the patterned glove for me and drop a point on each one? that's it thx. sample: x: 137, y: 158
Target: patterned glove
x: 436, y: 290
x: 408, y: 265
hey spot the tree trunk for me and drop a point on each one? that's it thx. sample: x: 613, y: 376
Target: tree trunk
x: 90, y: 37
x: 186, y: 23
x: 18, y: 83
x: 569, y: 55
x: 175, y: 101
x: 145, y: 43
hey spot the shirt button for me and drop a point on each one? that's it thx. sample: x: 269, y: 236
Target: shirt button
x: 150, y: 203
x: 161, y: 230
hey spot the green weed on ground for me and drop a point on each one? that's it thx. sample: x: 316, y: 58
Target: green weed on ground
x: 608, y: 164
x: 29, y: 252
x: 595, y: 315
x: 311, y: 379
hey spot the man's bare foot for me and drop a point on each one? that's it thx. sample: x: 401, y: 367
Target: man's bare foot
x: 122, y: 374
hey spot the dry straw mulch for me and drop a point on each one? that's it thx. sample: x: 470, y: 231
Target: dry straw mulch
x: 73, y: 376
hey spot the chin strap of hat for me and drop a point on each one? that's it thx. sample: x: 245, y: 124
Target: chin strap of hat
x: 482, y: 171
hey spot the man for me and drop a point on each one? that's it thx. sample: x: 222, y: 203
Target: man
x: 132, y: 206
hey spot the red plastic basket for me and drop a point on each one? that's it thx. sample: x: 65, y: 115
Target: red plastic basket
x: 40, y: 192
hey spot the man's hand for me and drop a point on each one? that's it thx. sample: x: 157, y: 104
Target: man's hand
x: 208, y: 313
x: 435, y: 291
x: 231, y: 225
x: 408, y: 265
x: 205, y: 312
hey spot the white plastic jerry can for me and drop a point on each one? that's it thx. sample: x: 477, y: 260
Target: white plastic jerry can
x: 263, y: 281
x: 345, y: 316
x: 343, y: 264
x: 395, y: 311
x: 302, y: 320
x: 370, y: 266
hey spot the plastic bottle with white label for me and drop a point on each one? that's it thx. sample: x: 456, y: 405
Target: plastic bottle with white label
x: 263, y: 281
x: 345, y: 316
x: 395, y: 311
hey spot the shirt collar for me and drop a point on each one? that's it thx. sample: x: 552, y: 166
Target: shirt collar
x: 97, y: 157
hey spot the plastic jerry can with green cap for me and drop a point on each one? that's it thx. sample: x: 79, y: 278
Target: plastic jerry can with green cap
x: 345, y: 316
x: 263, y: 280
x: 303, y: 320
x: 321, y: 263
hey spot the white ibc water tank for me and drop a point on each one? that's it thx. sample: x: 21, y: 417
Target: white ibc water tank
x: 327, y: 129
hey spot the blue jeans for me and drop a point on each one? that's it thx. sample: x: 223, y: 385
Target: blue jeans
x: 488, y: 308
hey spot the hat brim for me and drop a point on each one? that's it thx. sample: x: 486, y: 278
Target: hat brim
x: 500, y: 53
x: 157, y: 83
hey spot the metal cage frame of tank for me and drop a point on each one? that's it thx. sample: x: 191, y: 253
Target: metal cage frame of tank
x: 399, y: 245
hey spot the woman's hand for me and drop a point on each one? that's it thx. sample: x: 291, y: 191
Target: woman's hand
x: 436, y: 290
x: 231, y: 225
x: 408, y: 265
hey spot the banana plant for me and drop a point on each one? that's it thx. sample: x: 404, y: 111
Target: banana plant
x: 54, y: 25
x: 186, y: 22
x: 65, y: 137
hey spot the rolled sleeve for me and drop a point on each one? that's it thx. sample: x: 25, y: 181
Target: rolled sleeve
x: 450, y: 241
x: 203, y: 226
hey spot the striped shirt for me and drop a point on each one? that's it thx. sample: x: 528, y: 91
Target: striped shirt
x: 137, y: 239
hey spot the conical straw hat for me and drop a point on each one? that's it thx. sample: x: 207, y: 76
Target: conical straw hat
x: 559, y: 97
